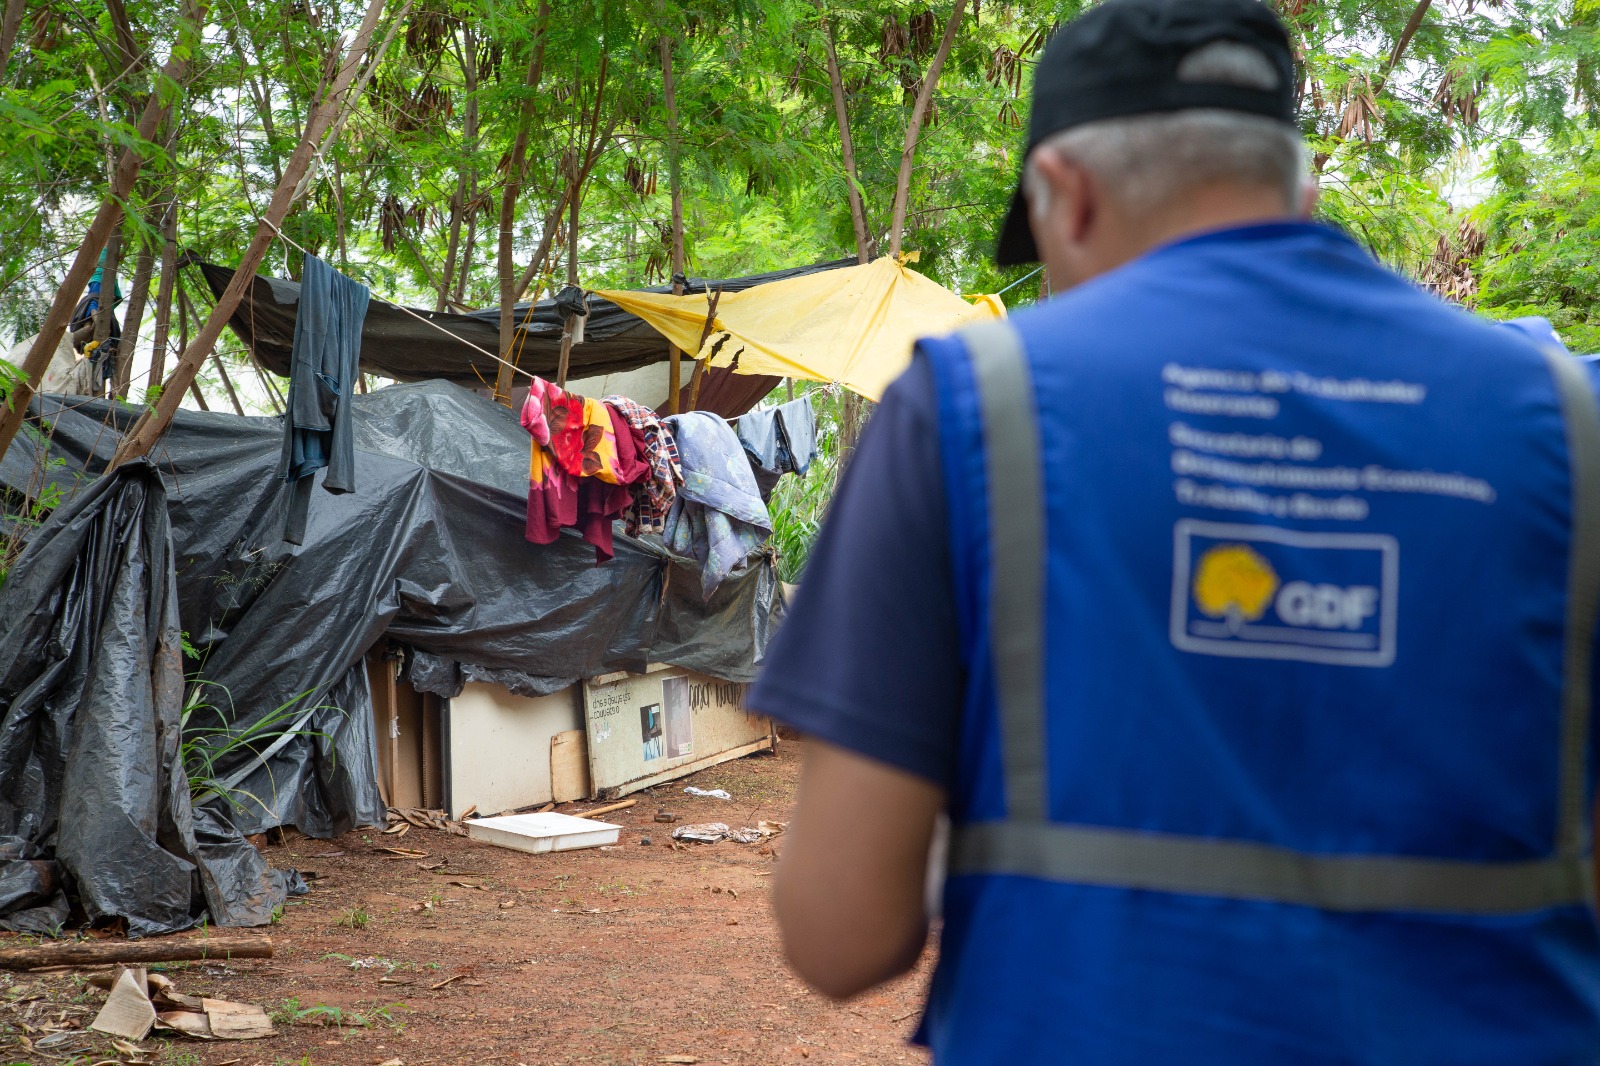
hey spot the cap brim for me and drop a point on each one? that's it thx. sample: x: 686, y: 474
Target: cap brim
x: 1016, y: 247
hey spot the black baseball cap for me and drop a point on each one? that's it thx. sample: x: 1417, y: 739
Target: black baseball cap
x: 1121, y: 58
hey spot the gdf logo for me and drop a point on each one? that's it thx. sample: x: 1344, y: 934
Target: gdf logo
x: 1263, y: 592
x: 1301, y: 603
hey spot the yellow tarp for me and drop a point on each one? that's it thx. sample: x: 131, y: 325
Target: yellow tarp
x: 855, y: 325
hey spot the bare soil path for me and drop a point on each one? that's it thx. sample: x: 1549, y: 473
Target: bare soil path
x: 623, y: 956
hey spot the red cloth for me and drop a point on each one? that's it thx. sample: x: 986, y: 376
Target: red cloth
x: 563, y: 412
x: 601, y: 503
x: 552, y: 504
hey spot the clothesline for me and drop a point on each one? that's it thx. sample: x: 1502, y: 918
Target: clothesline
x: 1020, y: 280
x: 427, y: 322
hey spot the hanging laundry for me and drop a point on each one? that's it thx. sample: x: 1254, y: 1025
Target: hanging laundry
x: 552, y: 497
x: 326, y: 359
x: 555, y: 418
x: 780, y: 440
x: 653, y: 500
x: 583, y: 461
x: 718, y: 517
x: 605, y: 497
x: 798, y: 419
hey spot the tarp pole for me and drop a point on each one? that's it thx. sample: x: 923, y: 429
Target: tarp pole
x: 572, y: 279
x: 700, y: 364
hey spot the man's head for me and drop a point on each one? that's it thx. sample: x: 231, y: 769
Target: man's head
x: 1152, y: 119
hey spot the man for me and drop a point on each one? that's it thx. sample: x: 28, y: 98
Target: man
x: 1237, y: 605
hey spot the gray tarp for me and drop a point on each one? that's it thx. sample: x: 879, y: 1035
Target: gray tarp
x: 94, y: 799
x: 428, y: 550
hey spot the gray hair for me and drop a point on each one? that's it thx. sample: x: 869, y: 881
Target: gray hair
x: 1148, y: 161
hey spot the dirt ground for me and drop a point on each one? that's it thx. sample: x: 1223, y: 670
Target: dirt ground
x: 629, y: 955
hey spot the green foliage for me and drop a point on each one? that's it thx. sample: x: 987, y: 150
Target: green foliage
x: 408, y: 198
x: 799, y: 505
x: 1542, y: 224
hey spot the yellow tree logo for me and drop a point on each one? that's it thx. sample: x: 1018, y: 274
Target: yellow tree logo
x: 1234, y: 582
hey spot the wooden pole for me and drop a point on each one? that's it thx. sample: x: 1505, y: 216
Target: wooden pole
x: 153, y: 423
x: 571, y: 321
x: 100, y: 952
x: 700, y: 364
x: 157, y: 106
x: 503, y: 380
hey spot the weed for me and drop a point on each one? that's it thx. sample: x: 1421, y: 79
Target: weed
x: 355, y: 918
x: 277, y: 915
x: 206, y: 749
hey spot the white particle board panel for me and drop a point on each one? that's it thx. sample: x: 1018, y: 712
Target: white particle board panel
x: 499, y: 753
x: 661, y: 725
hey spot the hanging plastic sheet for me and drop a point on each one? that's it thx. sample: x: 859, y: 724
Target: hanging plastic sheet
x: 93, y: 790
x: 428, y: 551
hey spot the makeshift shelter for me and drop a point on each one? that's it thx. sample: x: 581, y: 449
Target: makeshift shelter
x: 855, y: 326
x: 410, y: 344
x: 425, y: 563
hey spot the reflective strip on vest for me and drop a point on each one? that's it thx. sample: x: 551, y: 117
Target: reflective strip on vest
x: 1028, y: 844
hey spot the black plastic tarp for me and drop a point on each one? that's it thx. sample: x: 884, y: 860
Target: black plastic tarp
x: 428, y: 551
x: 396, y: 345
x: 94, y: 796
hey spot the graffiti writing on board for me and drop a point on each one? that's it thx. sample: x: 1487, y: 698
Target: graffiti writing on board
x: 607, y: 702
x: 715, y: 694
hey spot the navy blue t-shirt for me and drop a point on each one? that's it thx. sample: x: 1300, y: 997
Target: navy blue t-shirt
x: 868, y: 657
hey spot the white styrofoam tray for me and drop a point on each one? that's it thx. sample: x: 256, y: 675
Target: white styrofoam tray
x: 539, y: 833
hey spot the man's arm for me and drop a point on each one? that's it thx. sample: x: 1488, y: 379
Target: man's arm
x: 849, y: 893
x: 868, y: 666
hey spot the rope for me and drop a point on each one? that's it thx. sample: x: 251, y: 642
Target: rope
x: 1020, y: 280
x: 400, y: 307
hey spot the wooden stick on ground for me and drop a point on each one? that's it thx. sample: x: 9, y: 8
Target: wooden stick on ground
x: 91, y: 952
x: 624, y: 805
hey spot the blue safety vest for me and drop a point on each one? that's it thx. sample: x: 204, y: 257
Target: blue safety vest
x: 1278, y: 594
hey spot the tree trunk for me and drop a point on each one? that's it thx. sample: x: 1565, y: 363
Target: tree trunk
x: 858, y: 210
x: 469, y: 131
x: 143, y: 267
x: 227, y: 382
x: 272, y: 390
x: 10, y: 24
x: 169, y: 272
x: 453, y: 244
x: 675, y: 184
x: 175, y: 73
x: 183, y: 346
x: 153, y: 423
x: 508, y: 210
x: 919, y: 113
